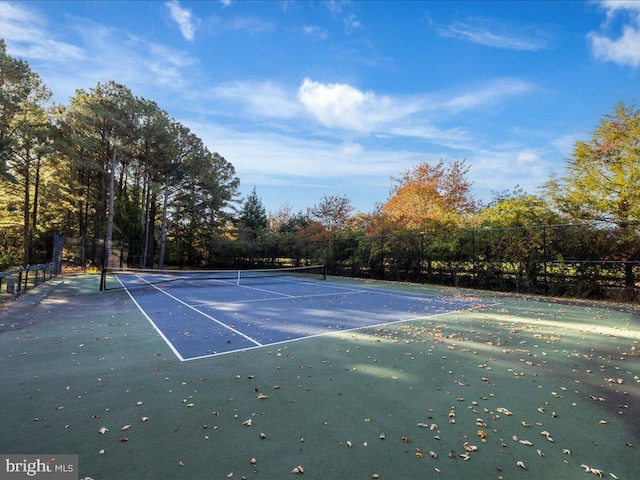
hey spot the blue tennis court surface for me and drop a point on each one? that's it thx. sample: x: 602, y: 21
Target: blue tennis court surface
x: 222, y: 316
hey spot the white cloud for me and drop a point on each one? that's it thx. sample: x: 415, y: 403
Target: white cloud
x: 317, y: 33
x: 261, y: 99
x: 272, y: 158
x: 183, y: 18
x: 350, y: 148
x: 351, y: 22
x: 527, y: 158
x: 565, y: 144
x: 455, y: 138
x: 495, y: 170
x: 339, y: 105
x: 100, y: 54
x: 491, y: 33
x: 27, y: 35
x: 625, y: 49
x: 252, y: 25
x: 496, y: 91
x: 341, y: 108
x: 612, y: 7
x: 338, y: 9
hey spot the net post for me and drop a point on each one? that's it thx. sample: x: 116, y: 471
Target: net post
x: 103, y: 279
x: 238, y: 281
x: 324, y: 272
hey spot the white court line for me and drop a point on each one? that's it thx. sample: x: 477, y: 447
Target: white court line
x: 266, y: 291
x: 338, y: 332
x: 349, y: 291
x: 192, y: 308
x: 157, y: 329
x: 287, y: 297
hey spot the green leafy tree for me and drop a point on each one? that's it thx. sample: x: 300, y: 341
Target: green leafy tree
x: 200, y: 208
x: 602, y: 180
x: 511, y: 235
x: 95, y: 124
x: 253, y: 220
x: 25, y: 147
x: 16, y: 83
x: 153, y: 151
x: 517, y: 209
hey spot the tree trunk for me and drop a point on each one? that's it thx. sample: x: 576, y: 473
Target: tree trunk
x: 163, y: 232
x: 26, y: 241
x: 36, y: 189
x: 109, y: 238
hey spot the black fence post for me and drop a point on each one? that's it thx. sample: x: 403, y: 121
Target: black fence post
x: 544, y: 259
x: 473, y: 257
x: 421, y: 278
x: 382, y: 267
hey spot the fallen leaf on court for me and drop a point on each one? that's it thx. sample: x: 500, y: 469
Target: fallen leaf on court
x: 263, y: 396
x: 103, y: 430
x: 126, y: 427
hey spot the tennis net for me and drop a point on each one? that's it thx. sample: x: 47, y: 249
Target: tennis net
x: 132, y: 278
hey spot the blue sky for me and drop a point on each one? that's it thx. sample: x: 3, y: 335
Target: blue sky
x: 309, y: 98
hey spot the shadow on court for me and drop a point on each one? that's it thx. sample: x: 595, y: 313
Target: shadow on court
x: 551, y: 386
x: 227, y: 317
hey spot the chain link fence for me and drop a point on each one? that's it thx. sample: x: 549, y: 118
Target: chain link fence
x: 560, y: 260
x: 17, y: 281
x: 575, y: 260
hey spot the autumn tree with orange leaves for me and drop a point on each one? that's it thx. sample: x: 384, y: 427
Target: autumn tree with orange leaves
x: 430, y: 195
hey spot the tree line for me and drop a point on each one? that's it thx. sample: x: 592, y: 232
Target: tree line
x: 172, y: 195
x: 59, y: 165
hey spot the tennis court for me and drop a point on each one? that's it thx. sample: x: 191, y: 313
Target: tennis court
x: 442, y: 383
x: 201, y: 313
